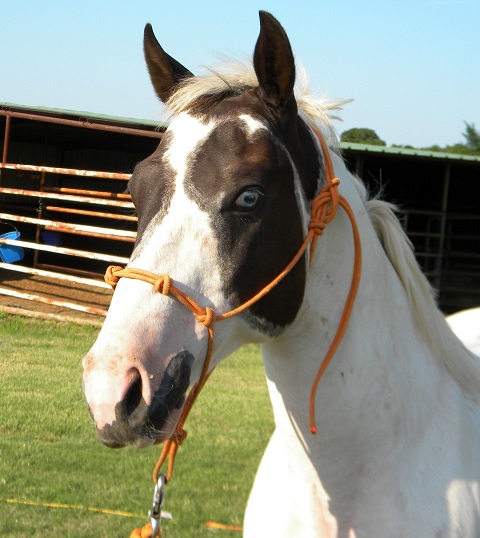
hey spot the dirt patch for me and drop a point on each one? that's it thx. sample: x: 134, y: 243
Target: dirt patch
x: 53, y: 298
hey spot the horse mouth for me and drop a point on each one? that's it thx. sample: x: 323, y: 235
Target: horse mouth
x: 139, y: 424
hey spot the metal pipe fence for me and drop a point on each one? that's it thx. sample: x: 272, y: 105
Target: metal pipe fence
x: 61, y: 209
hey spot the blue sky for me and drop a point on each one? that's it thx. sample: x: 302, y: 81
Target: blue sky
x: 411, y: 66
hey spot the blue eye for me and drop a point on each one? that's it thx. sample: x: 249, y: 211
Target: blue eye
x: 248, y: 199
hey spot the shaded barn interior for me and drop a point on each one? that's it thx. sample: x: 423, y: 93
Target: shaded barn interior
x: 438, y: 198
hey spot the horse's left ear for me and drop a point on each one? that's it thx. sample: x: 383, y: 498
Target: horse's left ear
x: 273, y: 61
x: 165, y: 72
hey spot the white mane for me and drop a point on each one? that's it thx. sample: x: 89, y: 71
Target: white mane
x: 234, y: 77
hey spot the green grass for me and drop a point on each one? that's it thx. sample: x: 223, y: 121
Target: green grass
x: 49, y: 453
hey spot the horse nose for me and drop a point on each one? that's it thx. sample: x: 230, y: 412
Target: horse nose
x: 133, y: 397
x: 117, y: 404
x: 126, y: 409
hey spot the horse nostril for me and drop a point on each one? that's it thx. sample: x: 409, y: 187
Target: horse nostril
x: 133, y: 397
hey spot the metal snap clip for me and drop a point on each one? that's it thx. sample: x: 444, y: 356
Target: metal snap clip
x: 156, y: 510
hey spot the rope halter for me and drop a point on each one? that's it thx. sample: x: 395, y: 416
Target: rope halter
x: 324, y: 208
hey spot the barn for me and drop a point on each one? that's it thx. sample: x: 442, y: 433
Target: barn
x: 438, y: 198
x: 65, y: 216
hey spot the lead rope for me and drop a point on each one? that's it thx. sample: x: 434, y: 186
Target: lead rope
x: 324, y: 208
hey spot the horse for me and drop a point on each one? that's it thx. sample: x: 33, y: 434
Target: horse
x: 466, y: 325
x: 388, y: 442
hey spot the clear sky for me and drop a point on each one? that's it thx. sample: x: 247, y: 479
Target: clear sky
x: 411, y: 66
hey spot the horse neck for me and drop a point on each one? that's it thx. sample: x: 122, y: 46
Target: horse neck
x: 382, y: 364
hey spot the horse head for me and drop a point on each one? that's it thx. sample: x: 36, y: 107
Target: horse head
x: 222, y: 208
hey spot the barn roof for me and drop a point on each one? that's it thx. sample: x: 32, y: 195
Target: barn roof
x: 77, y: 115
x: 408, y: 152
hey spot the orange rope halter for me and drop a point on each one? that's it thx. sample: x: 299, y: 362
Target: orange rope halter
x: 324, y: 208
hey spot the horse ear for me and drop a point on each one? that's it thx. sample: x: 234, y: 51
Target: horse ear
x: 273, y: 61
x: 165, y: 72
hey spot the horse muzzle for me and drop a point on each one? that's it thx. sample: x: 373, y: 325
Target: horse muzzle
x: 127, y: 410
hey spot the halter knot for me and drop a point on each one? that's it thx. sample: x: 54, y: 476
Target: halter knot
x: 110, y: 278
x: 162, y: 284
x: 207, y: 317
x: 325, y: 205
x: 317, y: 226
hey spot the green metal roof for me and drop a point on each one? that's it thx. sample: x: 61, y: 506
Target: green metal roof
x: 81, y: 115
x: 427, y: 154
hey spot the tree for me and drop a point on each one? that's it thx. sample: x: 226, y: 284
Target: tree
x: 361, y: 135
x: 470, y: 147
x: 472, y: 136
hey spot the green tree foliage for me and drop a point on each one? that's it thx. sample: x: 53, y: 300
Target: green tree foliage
x: 471, y: 146
x: 361, y: 135
x: 472, y: 136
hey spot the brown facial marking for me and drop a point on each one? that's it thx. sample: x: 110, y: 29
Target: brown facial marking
x: 254, y: 245
x: 152, y: 186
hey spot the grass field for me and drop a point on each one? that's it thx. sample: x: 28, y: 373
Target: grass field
x: 49, y: 454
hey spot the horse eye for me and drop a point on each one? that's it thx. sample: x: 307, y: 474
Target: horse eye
x: 248, y: 199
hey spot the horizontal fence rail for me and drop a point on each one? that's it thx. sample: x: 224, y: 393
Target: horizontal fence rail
x: 104, y: 194
x: 67, y: 251
x: 64, y: 171
x: 86, y: 212
x: 67, y: 197
x: 51, y: 301
x: 51, y: 274
x: 81, y: 229
x: 85, y: 123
